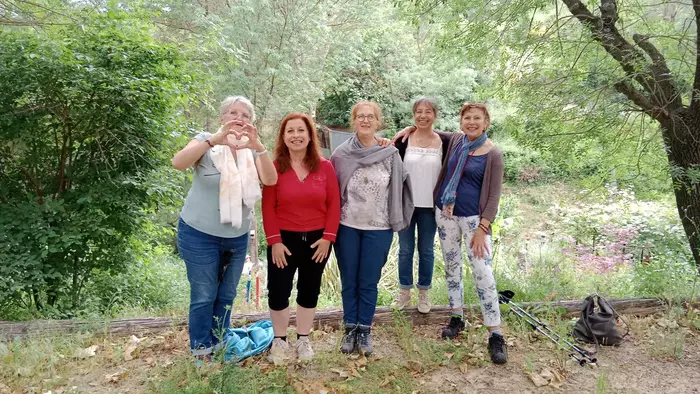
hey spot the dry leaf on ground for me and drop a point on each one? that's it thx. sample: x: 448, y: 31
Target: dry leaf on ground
x: 131, y: 347
x: 115, y: 377
x: 87, y: 352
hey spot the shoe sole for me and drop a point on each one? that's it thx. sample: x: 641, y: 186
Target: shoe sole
x: 348, y: 352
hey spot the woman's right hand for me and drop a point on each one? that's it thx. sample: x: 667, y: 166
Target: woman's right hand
x: 403, y: 134
x: 220, y: 137
x: 278, y: 255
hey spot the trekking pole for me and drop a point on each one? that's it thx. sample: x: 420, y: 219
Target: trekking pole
x: 583, y: 356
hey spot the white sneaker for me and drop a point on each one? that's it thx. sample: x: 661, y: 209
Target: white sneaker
x: 279, y: 353
x: 304, y: 350
x: 403, y: 299
x: 423, y: 301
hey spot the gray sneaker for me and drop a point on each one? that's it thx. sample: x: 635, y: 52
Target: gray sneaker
x: 403, y: 299
x: 423, y: 301
x: 279, y: 352
x: 304, y: 350
x: 349, y: 341
x: 364, y: 341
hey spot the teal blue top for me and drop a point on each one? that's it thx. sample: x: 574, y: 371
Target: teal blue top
x: 201, y: 209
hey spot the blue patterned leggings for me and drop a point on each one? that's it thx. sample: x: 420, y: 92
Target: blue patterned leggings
x: 451, y: 231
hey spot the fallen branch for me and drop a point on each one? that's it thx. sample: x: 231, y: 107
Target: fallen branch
x: 324, y: 318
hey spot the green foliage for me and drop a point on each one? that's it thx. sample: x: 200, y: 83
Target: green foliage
x: 85, y: 121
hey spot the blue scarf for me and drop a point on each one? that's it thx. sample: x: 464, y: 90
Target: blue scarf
x: 450, y: 194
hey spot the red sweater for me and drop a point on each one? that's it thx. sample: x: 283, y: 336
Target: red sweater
x: 294, y: 205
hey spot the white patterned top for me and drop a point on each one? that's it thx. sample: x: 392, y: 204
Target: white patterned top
x: 423, y: 166
x: 367, y: 205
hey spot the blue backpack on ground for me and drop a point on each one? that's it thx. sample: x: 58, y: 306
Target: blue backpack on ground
x: 241, y: 343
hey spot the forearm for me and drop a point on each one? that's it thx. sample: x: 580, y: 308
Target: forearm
x: 266, y: 169
x: 189, y: 155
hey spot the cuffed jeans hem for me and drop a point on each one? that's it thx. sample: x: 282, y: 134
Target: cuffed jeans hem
x: 428, y: 287
x: 405, y: 287
x: 202, y: 351
x: 364, y: 327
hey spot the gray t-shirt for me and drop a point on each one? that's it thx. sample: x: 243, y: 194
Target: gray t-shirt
x: 201, y: 209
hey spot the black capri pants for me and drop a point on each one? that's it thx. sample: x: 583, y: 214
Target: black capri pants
x: 280, y: 280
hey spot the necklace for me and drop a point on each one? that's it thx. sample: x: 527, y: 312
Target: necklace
x: 423, y: 146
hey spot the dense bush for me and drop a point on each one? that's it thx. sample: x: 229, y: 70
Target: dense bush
x: 86, y: 119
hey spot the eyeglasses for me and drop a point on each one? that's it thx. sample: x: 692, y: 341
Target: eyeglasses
x: 362, y: 118
x: 243, y: 115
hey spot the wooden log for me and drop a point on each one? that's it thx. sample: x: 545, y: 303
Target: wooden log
x: 324, y: 318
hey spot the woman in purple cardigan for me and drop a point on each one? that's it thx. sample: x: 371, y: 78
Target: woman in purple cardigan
x: 466, y: 198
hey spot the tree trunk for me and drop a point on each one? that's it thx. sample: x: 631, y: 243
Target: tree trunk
x: 651, y: 85
x: 683, y: 149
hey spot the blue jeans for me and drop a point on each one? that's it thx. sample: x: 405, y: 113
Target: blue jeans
x: 361, y: 254
x: 424, y: 219
x: 211, y: 290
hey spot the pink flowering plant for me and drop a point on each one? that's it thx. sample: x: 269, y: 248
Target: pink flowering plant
x: 619, y: 231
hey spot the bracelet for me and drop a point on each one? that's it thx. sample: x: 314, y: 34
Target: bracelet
x: 209, y: 142
x: 257, y: 154
x: 483, y: 227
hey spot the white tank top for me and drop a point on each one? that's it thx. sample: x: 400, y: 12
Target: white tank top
x: 423, y: 166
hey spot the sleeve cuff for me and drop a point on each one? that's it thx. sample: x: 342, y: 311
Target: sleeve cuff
x: 329, y: 236
x: 273, y: 239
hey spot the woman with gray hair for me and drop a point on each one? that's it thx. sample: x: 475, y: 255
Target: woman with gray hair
x: 212, y: 235
x: 423, y: 156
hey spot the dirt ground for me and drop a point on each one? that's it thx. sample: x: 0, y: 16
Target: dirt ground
x: 660, y: 355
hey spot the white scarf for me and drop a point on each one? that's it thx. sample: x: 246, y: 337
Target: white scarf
x: 238, y: 185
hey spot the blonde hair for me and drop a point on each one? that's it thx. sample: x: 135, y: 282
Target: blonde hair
x: 467, y: 106
x: 375, y: 108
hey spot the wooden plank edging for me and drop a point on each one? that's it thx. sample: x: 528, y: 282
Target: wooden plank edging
x: 325, y: 317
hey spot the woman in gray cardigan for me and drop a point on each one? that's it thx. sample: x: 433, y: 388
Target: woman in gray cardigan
x: 375, y: 201
x: 466, y: 198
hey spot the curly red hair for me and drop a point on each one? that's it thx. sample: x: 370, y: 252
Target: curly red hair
x: 313, y: 156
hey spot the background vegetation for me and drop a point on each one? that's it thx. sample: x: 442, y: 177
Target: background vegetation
x: 96, y: 97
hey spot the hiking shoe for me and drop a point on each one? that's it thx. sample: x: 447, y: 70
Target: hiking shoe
x: 279, y: 353
x: 202, y: 360
x: 455, y: 326
x: 364, y: 341
x: 497, y: 348
x: 304, y: 350
x: 349, y: 341
x: 403, y: 299
x: 423, y: 301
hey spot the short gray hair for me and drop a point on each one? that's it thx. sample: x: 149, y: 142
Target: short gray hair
x: 426, y: 100
x: 230, y: 100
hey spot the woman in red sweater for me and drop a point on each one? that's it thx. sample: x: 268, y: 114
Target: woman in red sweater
x: 301, y: 214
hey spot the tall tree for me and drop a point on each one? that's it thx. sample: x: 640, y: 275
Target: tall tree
x: 587, y: 83
x: 661, y: 93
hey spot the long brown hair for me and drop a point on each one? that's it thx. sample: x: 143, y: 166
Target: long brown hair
x: 312, y: 158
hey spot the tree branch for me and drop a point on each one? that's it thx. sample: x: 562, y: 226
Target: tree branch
x: 626, y: 88
x: 608, y: 12
x: 654, y: 78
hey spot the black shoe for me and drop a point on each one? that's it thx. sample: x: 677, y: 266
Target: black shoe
x: 364, y: 341
x: 498, y: 349
x: 453, y: 329
x: 349, y: 341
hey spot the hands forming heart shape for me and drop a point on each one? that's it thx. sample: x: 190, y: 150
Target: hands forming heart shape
x: 238, y: 135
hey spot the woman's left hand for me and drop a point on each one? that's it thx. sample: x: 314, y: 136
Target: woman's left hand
x: 478, y: 244
x: 251, y: 132
x: 383, y: 142
x: 322, y: 246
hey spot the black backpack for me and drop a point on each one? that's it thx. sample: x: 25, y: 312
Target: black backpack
x: 598, y: 323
